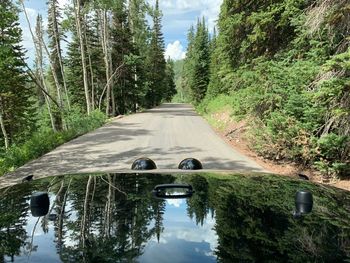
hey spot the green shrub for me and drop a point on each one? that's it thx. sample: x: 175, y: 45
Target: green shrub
x: 290, y: 111
x: 333, y: 155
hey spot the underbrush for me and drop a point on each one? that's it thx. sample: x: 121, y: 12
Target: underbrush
x: 45, y: 139
x: 291, y: 117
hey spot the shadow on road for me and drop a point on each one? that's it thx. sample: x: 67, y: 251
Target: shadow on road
x: 151, y: 134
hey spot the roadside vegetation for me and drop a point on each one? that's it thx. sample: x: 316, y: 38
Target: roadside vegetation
x: 113, y: 65
x: 45, y: 140
x: 284, y: 67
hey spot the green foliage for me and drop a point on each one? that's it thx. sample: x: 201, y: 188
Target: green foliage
x: 125, y: 69
x: 155, y: 63
x: 45, y: 140
x: 196, y: 67
x: 285, y: 65
x: 16, y: 104
x: 331, y: 150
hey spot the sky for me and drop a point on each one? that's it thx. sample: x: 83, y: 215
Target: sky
x: 178, y: 16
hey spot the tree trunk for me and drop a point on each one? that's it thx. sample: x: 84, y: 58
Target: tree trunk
x: 105, y: 48
x: 57, y: 84
x: 38, y: 49
x: 108, y: 83
x: 39, y: 62
x: 91, y: 72
x: 3, y: 129
x: 77, y: 12
x: 85, y: 212
x: 58, y: 47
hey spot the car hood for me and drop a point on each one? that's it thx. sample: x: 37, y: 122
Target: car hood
x: 117, y: 217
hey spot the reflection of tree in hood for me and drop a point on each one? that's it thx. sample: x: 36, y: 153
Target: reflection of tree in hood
x: 112, y: 217
x: 14, y: 210
x: 198, y: 203
x: 254, y: 223
x: 114, y: 212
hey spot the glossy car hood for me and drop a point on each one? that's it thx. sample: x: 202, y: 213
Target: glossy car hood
x: 229, y: 218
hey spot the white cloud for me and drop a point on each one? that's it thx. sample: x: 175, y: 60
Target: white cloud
x: 211, y: 13
x: 175, y: 51
x: 62, y: 3
x: 210, y: 9
x: 32, y: 13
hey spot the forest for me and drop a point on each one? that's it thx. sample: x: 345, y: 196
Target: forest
x: 113, y: 65
x: 283, y: 67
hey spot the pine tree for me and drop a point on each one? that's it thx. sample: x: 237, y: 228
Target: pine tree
x: 96, y: 72
x: 156, y: 63
x: 198, y: 61
x: 75, y: 79
x: 170, y: 80
x: 138, y: 25
x: 214, y: 86
x: 140, y: 33
x: 15, y: 103
x: 188, y: 66
x: 125, y: 91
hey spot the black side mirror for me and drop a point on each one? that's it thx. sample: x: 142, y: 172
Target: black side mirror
x: 39, y: 204
x: 303, y: 203
x: 143, y: 164
x: 190, y: 164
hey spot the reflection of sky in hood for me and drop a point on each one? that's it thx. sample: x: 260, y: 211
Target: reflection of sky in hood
x: 44, y: 242
x: 182, y: 240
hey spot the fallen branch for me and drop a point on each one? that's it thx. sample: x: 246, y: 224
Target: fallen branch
x: 108, y: 82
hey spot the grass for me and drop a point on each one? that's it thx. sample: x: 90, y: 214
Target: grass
x: 221, y: 104
x: 45, y: 140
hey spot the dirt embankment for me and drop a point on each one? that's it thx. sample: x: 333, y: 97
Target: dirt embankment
x: 235, y: 133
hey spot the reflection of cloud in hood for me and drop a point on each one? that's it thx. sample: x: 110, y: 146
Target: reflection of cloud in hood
x: 205, y: 233
x: 175, y: 202
x: 182, y: 241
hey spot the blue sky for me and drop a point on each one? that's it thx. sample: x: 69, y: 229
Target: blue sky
x: 178, y: 15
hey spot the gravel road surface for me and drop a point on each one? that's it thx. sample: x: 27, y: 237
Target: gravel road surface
x: 166, y: 134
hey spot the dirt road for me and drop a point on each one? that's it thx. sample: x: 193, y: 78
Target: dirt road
x: 166, y: 134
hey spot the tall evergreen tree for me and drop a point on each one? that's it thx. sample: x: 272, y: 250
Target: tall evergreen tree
x: 170, y: 80
x: 202, y: 62
x: 156, y: 63
x: 15, y: 104
x: 122, y: 47
x: 140, y: 33
x: 198, y: 61
x: 75, y: 79
x: 137, y: 12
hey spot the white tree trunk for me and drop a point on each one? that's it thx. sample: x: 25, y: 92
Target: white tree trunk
x: 105, y: 48
x: 91, y: 72
x: 3, y: 130
x: 77, y: 12
x: 38, y: 48
x: 60, y: 61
